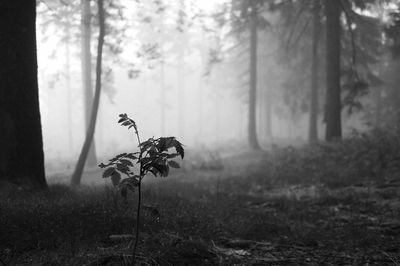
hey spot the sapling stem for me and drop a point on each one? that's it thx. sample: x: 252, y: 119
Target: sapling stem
x: 139, y: 198
x: 137, y: 221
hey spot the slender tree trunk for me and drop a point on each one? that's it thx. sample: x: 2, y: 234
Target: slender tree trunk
x: 200, y: 89
x: 21, y: 145
x: 217, y: 112
x: 181, y: 71
x: 163, y: 94
x: 313, y: 130
x: 268, y: 114
x: 200, y: 109
x: 333, y: 102
x: 76, y: 177
x: 68, y: 81
x: 86, y: 60
x: 252, y: 130
x: 181, y: 93
x: 268, y: 119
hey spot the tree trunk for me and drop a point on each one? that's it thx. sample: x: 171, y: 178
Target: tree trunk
x: 21, y: 144
x: 267, y: 110
x: 68, y: 82
x: 252, y: 130
x: 313, y: 130
x: 76, y: 177
x: 163, y: 100
x: 86, y: 60
x: 181, y: 93
x: 333, y: 102
x: 181, y: 71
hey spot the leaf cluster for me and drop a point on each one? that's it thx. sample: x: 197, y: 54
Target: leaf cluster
x: 154, y: 156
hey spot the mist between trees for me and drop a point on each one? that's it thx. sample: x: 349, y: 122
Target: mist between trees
x: 216, y: 73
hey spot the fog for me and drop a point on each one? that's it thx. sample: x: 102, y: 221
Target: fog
x: 188, y: 80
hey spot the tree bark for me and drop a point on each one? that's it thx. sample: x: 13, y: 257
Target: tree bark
x: 333, y: 102
x: 76, y: 177
x: 21, y: 144
x: 313, y: 129
x: 252, y: 129
x: 86, y: 61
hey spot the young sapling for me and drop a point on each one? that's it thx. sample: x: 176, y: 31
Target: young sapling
x: 127, y: 170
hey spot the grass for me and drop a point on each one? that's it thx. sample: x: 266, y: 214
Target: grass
x: 308, y: 205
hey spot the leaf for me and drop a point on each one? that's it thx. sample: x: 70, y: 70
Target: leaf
x: 180, y: 150
x: 169, y: 142
x: 169, y: 155
x: 172, y: 155
x: 123, y: 117
x: 122, y: 167
x: 178, y: 146
x: 162, y: 169
x: 115, y: 178
x: 119, y: 156
x: 153, y: 151
x: 162, y: 144
x: 108, y: 172
x: 134, y: 181
x: 126, y: 162
x: 153, y: 171
x: 131, y: 156
x: 173, y: 164
x: 147, y: 142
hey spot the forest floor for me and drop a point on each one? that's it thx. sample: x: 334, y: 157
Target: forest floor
x: 319, y: 205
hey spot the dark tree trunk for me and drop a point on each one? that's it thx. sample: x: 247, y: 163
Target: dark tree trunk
x: 76, y: 177
x: 21, y: 145
x: 252, y: 130
x: 333, y: 103
x: 86, y: 58
x: 313, y: 130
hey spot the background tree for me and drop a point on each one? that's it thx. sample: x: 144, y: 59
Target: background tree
x: 86, y: 62
x: 21, y: 146
x: 253, y: 141
x: 316, y: 29
x: 76, y: 177
x: 243, y: 25
x: 333, y: 102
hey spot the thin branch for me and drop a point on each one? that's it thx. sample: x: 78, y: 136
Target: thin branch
x: 302, y: 32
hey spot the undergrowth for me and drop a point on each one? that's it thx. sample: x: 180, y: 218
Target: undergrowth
x: 204, y: 210
x: 361, y: 158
